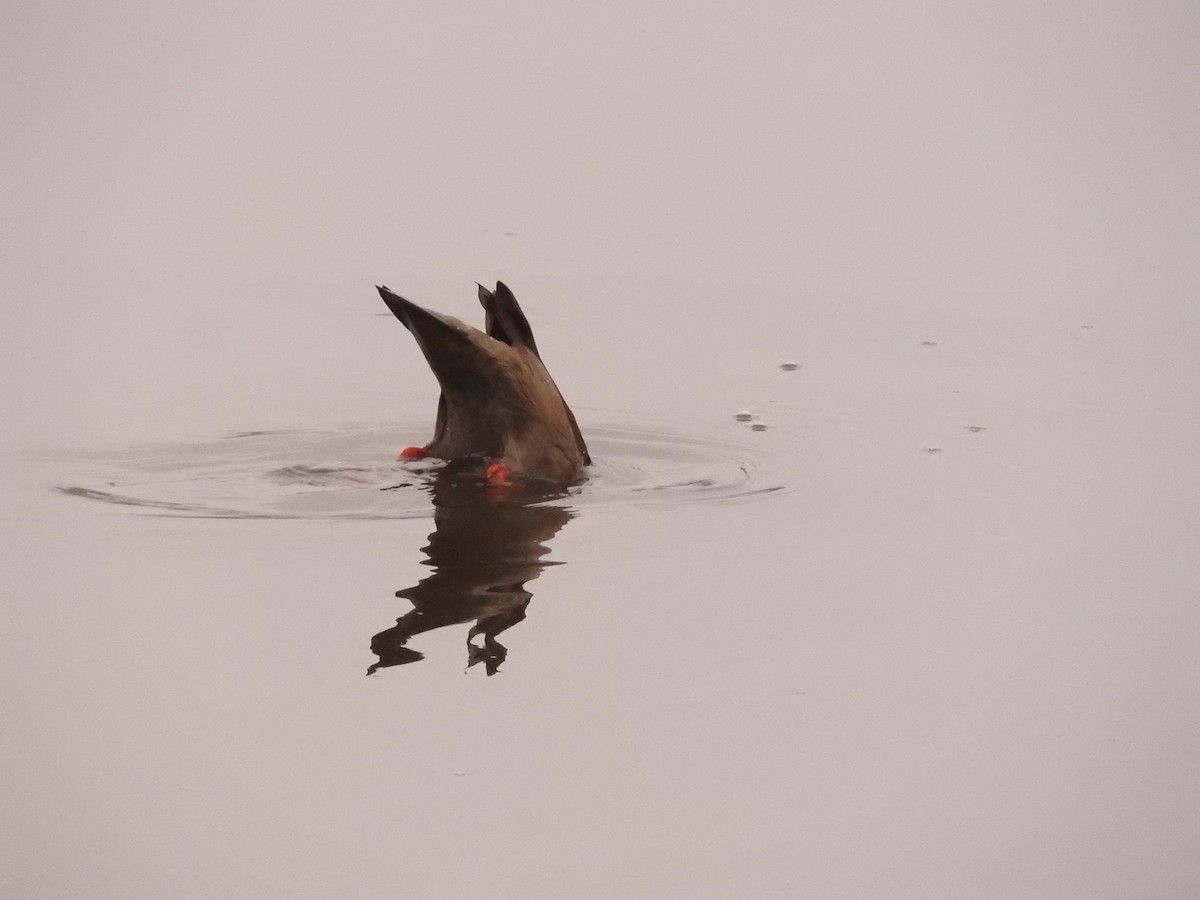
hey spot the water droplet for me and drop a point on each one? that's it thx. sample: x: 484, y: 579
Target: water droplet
x: 975, y: 429
x: 928, y: 343
x: 744, y: 416
x: 758, y: 425
x: 789, y: 366
x: 932, y: 449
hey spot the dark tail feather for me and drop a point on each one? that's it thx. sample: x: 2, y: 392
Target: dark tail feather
x: 449, y: 351
x: 504, y: 319
x: 587, y: 457
x: 400, y: 307
x: 417, y: 319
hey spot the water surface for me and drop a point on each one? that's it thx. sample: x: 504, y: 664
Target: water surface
x: 931, y: 633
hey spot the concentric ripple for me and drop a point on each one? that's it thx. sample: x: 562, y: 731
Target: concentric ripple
x: 351, y: 474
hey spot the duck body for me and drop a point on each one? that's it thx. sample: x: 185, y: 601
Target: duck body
x: 498, y: 402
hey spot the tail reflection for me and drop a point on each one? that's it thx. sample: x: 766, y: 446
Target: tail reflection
x: 486, y: 544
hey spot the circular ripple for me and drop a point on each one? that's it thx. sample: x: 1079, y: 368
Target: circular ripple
x: 350, y: 474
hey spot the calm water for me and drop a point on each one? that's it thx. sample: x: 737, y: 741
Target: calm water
x: 930, y: 633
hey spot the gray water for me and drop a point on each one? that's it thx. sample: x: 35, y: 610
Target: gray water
x: 930, y: 633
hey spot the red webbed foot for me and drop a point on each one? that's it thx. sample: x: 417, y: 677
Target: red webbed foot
x: 409, y: 453
x: 498, y: 474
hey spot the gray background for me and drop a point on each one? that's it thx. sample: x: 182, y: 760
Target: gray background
x: 963, y: 674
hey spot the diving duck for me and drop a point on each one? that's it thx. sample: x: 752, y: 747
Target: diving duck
x: 498, y: 403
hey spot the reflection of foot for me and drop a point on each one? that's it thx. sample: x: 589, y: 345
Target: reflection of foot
x: 492, y: 654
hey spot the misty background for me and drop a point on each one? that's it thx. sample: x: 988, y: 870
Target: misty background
x: 969, y: 672
x: 194, y: 194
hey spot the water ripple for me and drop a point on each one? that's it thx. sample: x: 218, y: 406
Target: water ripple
x: 350, y: 474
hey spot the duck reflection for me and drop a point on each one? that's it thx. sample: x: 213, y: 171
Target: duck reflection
x: 488, y: 542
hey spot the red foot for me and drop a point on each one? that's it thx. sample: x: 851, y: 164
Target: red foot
x: 411, y: 453
x: 498, y: 473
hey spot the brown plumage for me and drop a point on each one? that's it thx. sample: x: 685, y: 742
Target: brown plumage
x: 498, y: 402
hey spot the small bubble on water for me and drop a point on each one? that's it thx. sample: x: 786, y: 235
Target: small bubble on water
x: 928, y: 343
x: 931, y: 450
x: 758, y: 425
x: 744, y: 416
x: 975, y: 429
x: 789, y: 366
